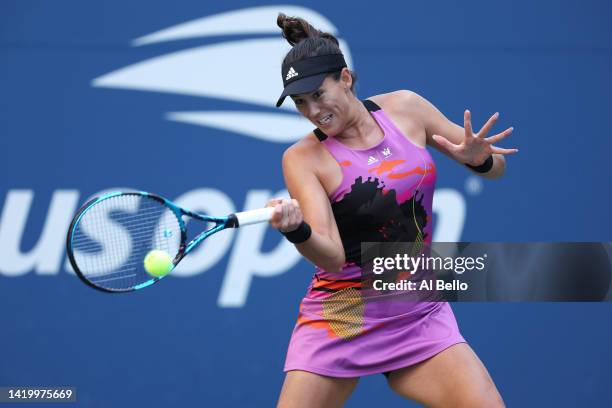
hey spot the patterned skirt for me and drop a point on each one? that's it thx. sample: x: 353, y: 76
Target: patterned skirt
x: 343, y: 335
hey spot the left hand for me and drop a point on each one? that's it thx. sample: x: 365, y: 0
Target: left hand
x: 475, y: 148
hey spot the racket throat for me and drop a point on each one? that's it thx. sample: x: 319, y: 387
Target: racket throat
x: 232, y: 221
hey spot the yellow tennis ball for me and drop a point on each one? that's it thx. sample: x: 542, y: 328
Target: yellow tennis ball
x: 158, y: 263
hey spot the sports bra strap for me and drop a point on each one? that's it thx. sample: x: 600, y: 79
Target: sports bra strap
x: 370, y: 106
x: 320, y: 134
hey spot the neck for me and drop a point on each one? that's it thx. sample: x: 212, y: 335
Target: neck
x: 361, y: 130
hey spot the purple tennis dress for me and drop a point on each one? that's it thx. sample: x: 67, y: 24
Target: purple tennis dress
x: 386, y: 195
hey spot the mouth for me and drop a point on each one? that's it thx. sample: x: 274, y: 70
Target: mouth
x: 325, y: 120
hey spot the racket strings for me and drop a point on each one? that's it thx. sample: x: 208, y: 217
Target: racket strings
x: 113, y: 237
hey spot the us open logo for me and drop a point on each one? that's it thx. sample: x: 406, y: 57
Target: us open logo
x: 217, y: 71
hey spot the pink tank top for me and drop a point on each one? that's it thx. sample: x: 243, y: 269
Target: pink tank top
x: 386, y: 195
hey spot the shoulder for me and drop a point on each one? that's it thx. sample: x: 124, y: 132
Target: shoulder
x: 405, y: 109
x: 402, y: 101
x: 304, y: 154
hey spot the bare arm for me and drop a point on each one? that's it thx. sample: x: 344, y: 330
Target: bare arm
x: 458, y: 143
x: 310, y: 203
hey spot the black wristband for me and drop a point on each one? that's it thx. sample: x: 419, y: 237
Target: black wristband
x: 300, y: 234
x: 484, y: 167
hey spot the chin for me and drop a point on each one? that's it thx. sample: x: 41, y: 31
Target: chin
x: 330, y: 131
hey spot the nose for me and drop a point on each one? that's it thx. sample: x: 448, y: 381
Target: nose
x: 313, y: 111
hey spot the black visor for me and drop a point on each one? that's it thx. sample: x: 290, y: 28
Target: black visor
x: 308, y: 74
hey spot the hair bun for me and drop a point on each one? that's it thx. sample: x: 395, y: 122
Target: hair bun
x: 296, y: 29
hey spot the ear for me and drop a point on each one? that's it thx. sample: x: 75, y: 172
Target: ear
x: 346, y: 78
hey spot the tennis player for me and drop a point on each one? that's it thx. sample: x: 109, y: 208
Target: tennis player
x: 364, y: 174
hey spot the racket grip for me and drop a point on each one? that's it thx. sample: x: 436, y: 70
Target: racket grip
x: 254, y: 216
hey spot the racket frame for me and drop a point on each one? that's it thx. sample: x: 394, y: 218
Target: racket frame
x: 221, y: 223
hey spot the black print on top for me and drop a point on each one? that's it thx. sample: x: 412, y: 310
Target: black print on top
x: 367, y: 214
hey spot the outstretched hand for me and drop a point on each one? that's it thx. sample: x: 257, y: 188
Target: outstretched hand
x: 476, y: 148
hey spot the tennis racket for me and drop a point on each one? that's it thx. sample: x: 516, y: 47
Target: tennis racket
x: 110, y: 236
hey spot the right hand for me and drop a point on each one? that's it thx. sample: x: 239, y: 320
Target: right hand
x: 287, y: 215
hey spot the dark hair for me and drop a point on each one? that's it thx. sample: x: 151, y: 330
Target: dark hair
x: 308, y: 42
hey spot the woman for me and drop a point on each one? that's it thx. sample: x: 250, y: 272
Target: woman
x: 364, y: 175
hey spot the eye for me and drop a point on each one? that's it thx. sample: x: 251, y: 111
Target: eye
x: 317, y: 94
x: 298, y: 101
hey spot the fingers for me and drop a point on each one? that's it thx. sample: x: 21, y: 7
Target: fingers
x: 499, y: 150
x: 444, y: 143
x: 467, y: 123
x: 487, y: 126
x: 287, y: 215
x: 273, y: 201
x: 277, y: 215
x: 496, y: 138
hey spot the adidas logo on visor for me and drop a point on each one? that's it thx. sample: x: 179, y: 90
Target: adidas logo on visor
x: 290, y: 74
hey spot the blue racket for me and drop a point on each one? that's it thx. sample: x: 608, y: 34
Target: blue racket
x: 110, y: 236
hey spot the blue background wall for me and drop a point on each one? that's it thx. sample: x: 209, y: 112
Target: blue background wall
x: 545, y: 66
